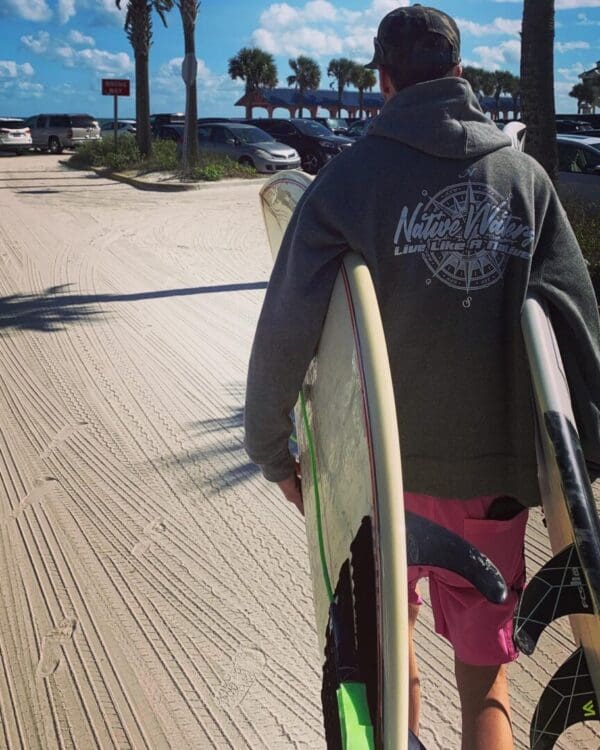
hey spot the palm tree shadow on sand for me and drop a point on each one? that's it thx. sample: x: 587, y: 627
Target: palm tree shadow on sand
x: 220, y: 452
x: 55, y: 307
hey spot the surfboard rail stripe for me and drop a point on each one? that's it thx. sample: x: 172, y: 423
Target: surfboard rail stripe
x: 315, y: 477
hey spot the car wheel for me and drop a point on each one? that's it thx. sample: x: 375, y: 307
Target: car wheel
x: 246, y: 161
x: 311, y: 163
x: 19, y: 153
x: 54, y: 146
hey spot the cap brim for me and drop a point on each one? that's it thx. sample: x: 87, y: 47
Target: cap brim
x: 373, y: 65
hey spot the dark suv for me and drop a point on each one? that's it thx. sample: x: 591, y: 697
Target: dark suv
x: 315, y: 143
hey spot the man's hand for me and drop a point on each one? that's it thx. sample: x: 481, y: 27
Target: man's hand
x: 292, y: 489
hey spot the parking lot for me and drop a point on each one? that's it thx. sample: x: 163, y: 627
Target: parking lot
x: 155, y: 590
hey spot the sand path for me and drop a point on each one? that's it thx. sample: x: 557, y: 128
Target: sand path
x: 155, y: 591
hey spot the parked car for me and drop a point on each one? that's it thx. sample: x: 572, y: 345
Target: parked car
x: 56, y: 132
x: 172, y: 132
x: 579, y: 168
x: 247, y: 144
x: 315, y: 143
x: 165, y: 118
x: 358, y: 128
x: 15, y: 136
x: 124, y: 127
x: 572, y: 126
x: 337, y: 125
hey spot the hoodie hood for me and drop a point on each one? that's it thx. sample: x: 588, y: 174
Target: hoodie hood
x: 442, y: 118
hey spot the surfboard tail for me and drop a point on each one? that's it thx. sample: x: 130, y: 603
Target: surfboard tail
x: 568, y: 699
x: 558, y: 589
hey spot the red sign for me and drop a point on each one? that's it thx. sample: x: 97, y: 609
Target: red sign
x: 115, y: 87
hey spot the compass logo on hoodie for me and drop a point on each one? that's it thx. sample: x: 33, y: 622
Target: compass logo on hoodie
x: 465, y: 234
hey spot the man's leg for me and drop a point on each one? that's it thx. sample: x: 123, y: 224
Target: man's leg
x: 414, y: 684
x: 485, y: 707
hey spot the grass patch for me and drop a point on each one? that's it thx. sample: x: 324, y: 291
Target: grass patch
x: 585, y: 220
x: 165, y: 157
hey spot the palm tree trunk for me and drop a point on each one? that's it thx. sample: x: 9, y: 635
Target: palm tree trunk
x: 142, y: 104
x: 340, y: 93
x: 188, y: 10
x: 537, y: 83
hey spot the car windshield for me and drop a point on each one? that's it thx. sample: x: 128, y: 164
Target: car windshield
x: 12, y: 124
x: 251, y: 135
x: 310, y: 127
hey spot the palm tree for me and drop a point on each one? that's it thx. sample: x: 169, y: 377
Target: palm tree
x: 256, y: 67
x: 475, y: 77
x: 584, y: 94
x: 138, y: 27
x: 502, y: 85
x: 189, y: 12
x: 340, y: 69
x: 362, y: 79
x: 537, y: 82
x: 307, y: 76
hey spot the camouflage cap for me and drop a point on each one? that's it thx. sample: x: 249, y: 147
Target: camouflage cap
x: 399, y: 30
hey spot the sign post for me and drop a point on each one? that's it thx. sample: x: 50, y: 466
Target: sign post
x: 115, y: 87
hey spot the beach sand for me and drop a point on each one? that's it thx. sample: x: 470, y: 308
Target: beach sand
x: 155, y: 590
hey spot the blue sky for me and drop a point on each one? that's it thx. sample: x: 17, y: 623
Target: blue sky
x: 53, y: 53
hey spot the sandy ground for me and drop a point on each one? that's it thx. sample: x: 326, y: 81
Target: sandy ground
x: 155, y: 591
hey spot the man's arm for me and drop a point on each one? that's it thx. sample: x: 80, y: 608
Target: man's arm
x: 288, y: 331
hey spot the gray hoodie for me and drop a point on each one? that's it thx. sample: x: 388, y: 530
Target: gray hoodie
x: 456, y: 227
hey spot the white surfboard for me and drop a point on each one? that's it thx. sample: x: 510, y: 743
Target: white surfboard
x: 350, y: 462
x: 570, y: 583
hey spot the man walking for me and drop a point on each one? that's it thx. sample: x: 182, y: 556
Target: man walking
x: 456, y: 228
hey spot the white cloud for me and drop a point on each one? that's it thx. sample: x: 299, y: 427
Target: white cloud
x: 100, y: 61
x: 572, y: 72
x: 76, y: 37
x: 571, y: 4
x: 37, y: 43
x: 563, y: 4
x: 494, y: 58
x: 103, y: 62
x: 497, y: 26
x: 211, y: 86
x: 11, y: 69
x: 66, y: 10
x: 568, y: 46
x: 15, y: 80
x: 29, y: 10
x: 583, y: 20
x: 320, y: 28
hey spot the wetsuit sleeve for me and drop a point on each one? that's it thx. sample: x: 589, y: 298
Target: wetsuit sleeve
x: 289, y: 328
x: 559, y: 274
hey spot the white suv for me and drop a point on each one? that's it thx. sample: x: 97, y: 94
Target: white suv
x: 579, y: 167
x: 15, y: 136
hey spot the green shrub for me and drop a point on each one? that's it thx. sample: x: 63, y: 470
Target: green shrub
x: 585, y: 220
x: 219, y: 167
x: 164, y: 157
x: 101, y: 153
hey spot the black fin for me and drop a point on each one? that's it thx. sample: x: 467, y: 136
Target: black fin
x: 568, y: 699
x: 414, y: 743
x: 427, y: 543
x: 559, y: 588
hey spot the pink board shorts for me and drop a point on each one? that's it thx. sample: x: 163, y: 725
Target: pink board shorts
x: 480, y: 632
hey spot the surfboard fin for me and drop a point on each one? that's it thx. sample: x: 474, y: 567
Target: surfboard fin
x: 559, y: 588
x: 348, y: 724
x: 568, y: 699
x: 427, y: 543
